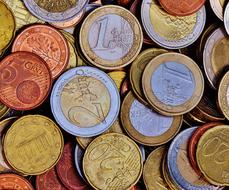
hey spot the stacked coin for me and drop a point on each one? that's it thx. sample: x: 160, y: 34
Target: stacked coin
x: 114, y: 95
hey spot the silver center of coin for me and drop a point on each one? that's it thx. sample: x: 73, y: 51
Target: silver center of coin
x: 111, y: 37
x: 148, y: 122
x: 173, y: 83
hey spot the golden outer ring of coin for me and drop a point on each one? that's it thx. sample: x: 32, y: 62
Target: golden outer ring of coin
x: 117, y: 77
x: 192, y: 119
x: 137, y: 42
x: 166, y: 175
x: 14, y: 31
x: 152, y: 99
x: 200, y: 159
x: 147, y: 167
x: 222, y: 95
x: 111, y: 134
x: 46, y: 169
x: 142, y: 139
x: 136, y: 70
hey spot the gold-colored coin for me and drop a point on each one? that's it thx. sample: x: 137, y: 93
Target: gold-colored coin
x: 212, y: 155
x: 145, y: 125
x: 3, y: 110
x: 85, y: 141
x: 22, y: 15
x: 138, y: 67
x: 152, y: 171
x: 223, y: 95
x: 118, y: 77
x: 111, y: 37
x: 173, y: 84
x: 33, y: 144
x: 7, y: 26
x: 112, y: 161
x: 193, y: 120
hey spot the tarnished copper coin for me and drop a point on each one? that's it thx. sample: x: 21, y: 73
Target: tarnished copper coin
x: 49, y: 181
x: 25, y: 81
x: 182, y: 8
x: 194, y: 141
x: 14, y: 182
x: 46, y: 42
x: 67, y: 172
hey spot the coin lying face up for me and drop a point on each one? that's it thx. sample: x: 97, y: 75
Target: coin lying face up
x: 111, y: 37
x: 85, y: 101
x: 173, y: 84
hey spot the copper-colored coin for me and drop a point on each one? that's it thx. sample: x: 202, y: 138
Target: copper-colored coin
x: 25, y: 81
x: 124, y: 3
x: 182, y: 8
x: 194, y: 141
x: 125, y: 87
x: 14, y: 182
x: 67, y: 172
x: 49, y: 181
x: 46, y: 42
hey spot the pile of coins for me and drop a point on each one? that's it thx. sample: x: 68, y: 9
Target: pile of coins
x: 114, y: 94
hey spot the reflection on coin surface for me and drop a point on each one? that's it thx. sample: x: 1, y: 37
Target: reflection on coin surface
x: 79, y: 153
x: 152, y: 172
x: 169, y: 31
x: 46, y: 42
x: 14, y: 182
x: 215, y: 52
x: 49, y: 181
x: 33, y: 144
x: 179, y: 166
x: 223, y: 95
x: 112, y: 161
x: 85, y: 101
x: 111, y: 37
x: 218, y: 6
x: 55, y: 10
x: 145, y: 125
x: 7, y: 26
x: 212, y: 155
x: 25, y: 80
x: 173, y: 83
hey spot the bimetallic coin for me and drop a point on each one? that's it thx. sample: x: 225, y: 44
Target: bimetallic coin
x: 138, y: 67
x: 226, y: 18
x: 33, y: 144
x: 49, y: 181
x: 85, y: 101
x: 171, y: 32
x: 145, y: 125
x: 217, y: 7
x: 111, y: 37
x: 14, y: 182
x: 55, y: 11
x: 179, y: 166
x: 212, y: 155
x: 25, y: 81
x: 117, y: 160
x: 173, y: 84
x: 7, y: 27
x: 3, y: 110
x: 152, y: 171
x: 46, y: 42
x: 118, y: 77
x: 215, y: 52
x: 223, y: 95
x: 22, y: 15
x: 182, y: 8
x: 66, y: 169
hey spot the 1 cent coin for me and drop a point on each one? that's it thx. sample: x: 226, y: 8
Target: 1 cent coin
x: 14, y: 182
x: 66, y: 169
x: 25, y: 81
x: 48, y: 43
x: 182, y: 8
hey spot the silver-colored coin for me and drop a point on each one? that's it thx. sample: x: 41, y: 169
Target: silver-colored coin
x: 226, y: 18
x: 143, y: 152
x: 79, y: 152
x: 217, y: 7
x: 85, y: 101
x: 171, y: 32
x: 170, y: 88
x: 51, y: 11
x: 179, y: 166
x: 147, y: 122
